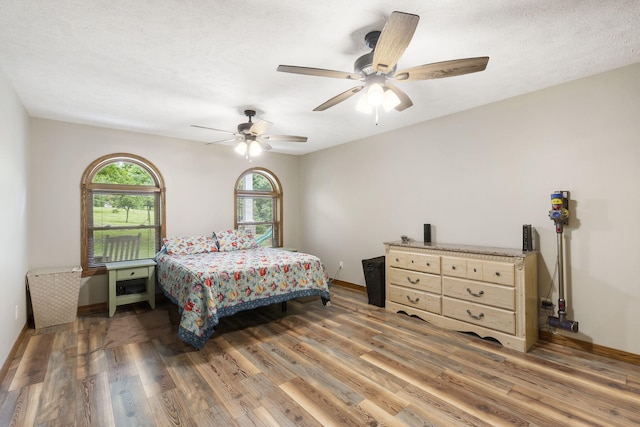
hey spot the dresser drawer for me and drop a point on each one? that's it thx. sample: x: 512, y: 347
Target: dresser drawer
x: 423, y: 262
x: 415, y: 280
x: 478, y: 314
x: 488, y: 271
x: 456, y: 267
x: 462, y: 267
x: 396, y: 259
x: 414, y: 298
x: 474, y: 269
x: 498, y: 272
x: 480, y: 292
x: 132, y: 273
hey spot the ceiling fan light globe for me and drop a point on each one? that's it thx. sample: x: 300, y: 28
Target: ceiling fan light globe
x: 363, y: 105
x: 254, y: 149
x: 390, y: 100
x: 375, y: 94
x: 241, y: 148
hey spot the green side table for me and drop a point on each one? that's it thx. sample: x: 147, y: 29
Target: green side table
x: 121, y: 271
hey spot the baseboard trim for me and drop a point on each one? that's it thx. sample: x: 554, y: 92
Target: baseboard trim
x: 348, y: 285
x: 589, y: 347
x: 14, y: 350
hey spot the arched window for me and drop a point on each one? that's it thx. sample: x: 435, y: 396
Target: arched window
x: 258, y: 206
x: 122, y: 209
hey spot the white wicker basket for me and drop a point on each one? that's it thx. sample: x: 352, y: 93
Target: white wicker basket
x: 54, y: 295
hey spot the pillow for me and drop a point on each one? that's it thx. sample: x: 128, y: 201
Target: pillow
x: 233, y: 240
x: 189, y: 245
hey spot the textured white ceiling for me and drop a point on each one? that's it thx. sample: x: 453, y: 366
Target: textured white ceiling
x: 158, y: 66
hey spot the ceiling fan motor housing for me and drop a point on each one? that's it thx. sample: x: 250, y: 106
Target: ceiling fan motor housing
x: 371, y: 39
x: 244, y: 127
x: 363, y: 64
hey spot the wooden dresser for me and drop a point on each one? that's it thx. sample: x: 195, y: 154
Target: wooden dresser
x: 492, y: 292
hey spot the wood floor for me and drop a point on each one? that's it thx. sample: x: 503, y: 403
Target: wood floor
x: 349, y: 364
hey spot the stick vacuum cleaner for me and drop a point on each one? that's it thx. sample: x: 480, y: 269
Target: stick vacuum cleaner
x: 559, y: 214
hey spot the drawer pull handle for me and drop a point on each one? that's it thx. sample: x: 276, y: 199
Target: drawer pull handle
x: 397, y: 260
x: 479, y: 294
x: 413, y: 282
x: 453, y: 267
x: 475, y: 270
x: 413, y: 301
x: 428, y: 264
x: 132, y: 273
x: 498, y: 273
x: 478, y: 317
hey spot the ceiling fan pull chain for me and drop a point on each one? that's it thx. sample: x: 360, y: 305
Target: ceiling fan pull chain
x: 377, y: 116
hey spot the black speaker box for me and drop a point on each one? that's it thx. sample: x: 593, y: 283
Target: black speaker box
x: 527, y: 238
x: 427, y: 233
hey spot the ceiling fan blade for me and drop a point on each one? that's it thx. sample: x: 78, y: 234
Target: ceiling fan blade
x: 222, y: 141
x: 394, y: 39
x: 263, y: 144
x: 285, y: 138
x: 338, y: 98
x: 205, y: 127
x: 437, y: 70
x: 405, y: 101
x: 319, y: 72
x: 259, y: 127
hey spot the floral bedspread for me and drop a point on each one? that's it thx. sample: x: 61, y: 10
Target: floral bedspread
x: 209, y: 286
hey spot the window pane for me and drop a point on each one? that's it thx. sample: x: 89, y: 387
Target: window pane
x: 145, y: 246
x: 123, y: 173
x: 255, y: 209
x: 122, y: 226
x: 262, y: 232
x: 255, y: 182
x: 123, y: 209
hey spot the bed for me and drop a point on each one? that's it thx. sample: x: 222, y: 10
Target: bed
x: 209, y: 278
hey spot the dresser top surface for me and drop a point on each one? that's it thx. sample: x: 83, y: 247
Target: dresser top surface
x: 483, y: 250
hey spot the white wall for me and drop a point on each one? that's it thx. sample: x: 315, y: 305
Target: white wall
x: 14, y: 167
x: 479, y: 175
x: 199, y: 179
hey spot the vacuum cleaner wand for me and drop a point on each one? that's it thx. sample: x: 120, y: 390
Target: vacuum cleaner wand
x: 559, y: 214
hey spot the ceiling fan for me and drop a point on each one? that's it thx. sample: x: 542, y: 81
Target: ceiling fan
x: 250, y: 138
x: 378, y: 68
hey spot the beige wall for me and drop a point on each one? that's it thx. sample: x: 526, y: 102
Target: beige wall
x: 14, y: 167
x: 199, y: 180
x: 479, y: 175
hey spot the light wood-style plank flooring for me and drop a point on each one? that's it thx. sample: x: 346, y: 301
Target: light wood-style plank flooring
x: 348, y: 364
